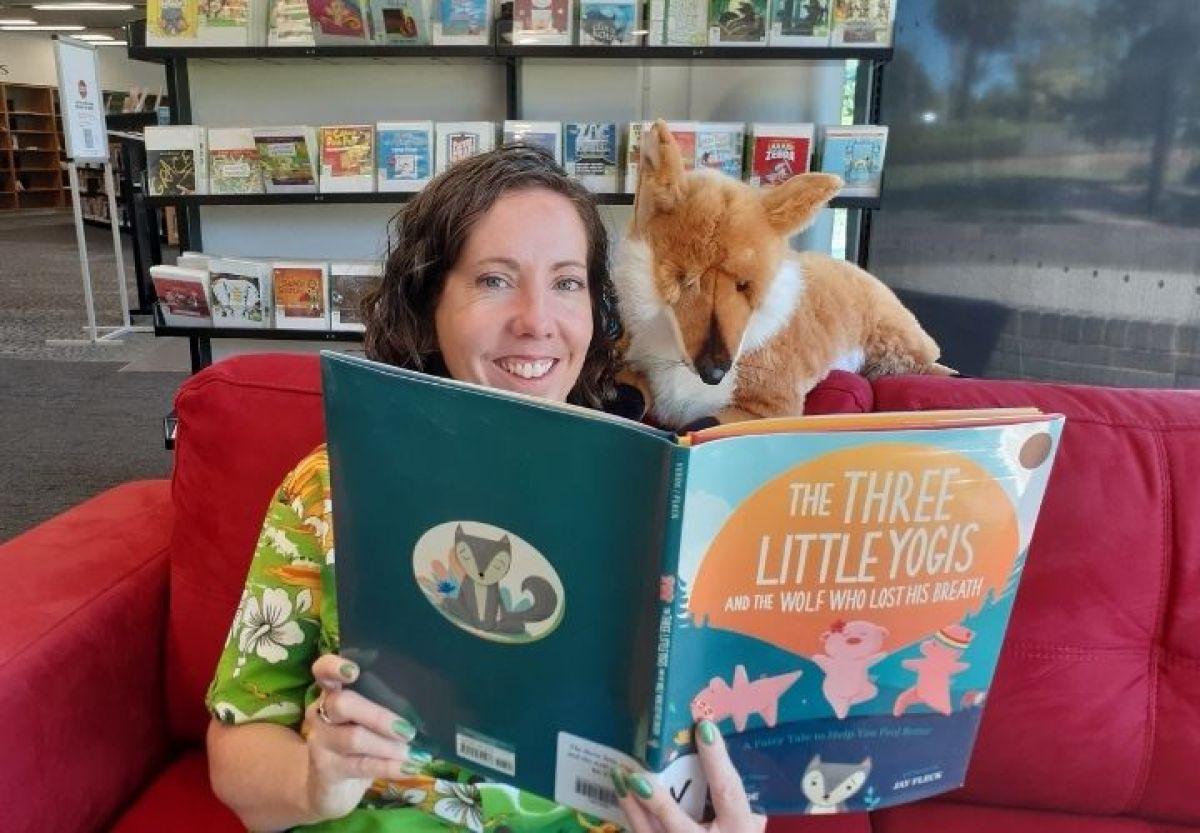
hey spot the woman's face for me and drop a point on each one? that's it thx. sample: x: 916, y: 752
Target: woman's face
x: 515, y: 312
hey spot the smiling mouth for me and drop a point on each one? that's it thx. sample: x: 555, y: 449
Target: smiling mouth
x: 529, y: 370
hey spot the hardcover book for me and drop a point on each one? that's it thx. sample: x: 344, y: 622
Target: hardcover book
x: 176, y: 161
x: 463, y: 22
x: 300, y: 295
x: 542, y: 22
x: 590, y: 155
x: 339, y: 22
x: 546, y: 135
x: 457, y: 140
x: 182, y: 296
x: 225, y: 22
x: 348, y: 158
x: 862, y: 22
x: 799, y: 23
x: 400, y: 22
x: 240, y: 292
x: 609, y: 23
x: 405, y: 155
x: 737, y: 23
x: 287, y: 157
x: 779, y: 152
x: 289, y: 23
x: 349, y: 283
x: 233, y: 164
x: 720, y: 145
x: 855, y: 153
x: 832, y: 592
x: 172, y: 22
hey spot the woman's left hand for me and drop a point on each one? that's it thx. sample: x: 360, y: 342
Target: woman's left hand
x: 651, y: 809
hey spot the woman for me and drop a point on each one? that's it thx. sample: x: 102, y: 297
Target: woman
x: 497, y: 274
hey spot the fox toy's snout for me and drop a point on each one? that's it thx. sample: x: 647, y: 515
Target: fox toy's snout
x: 714, y: 360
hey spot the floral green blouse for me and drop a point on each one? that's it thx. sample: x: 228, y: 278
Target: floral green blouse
x: 286, y: 618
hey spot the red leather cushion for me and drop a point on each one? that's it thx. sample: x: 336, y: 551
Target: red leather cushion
x: 180, y: 801
x: 243, y: 424
x: 1096, y: 702
x: 840, y: 393
x: 947, y: 817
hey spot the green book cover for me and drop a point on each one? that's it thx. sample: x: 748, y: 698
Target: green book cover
x: 546, y: 591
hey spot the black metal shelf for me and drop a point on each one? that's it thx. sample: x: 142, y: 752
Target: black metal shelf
x: 397, y: 197
x: 256, y: 333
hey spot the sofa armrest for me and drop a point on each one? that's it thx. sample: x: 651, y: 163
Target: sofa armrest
x: 81, y: 660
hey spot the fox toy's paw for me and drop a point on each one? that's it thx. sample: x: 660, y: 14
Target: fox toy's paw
x: 700, y: 424
x: 629, y: 402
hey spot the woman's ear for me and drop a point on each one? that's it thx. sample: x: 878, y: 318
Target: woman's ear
x: 660, y: 176
x: 792, y: 206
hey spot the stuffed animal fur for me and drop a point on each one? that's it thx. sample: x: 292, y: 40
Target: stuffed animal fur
x: 723, y: 321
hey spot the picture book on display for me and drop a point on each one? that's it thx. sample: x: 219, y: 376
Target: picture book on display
x: 862, y: 22
x: 457, y: 140
x: 347, y: 158
x: 176, y: 160
x: 288, y: 158
x: 349, y: 283
x: 462, y: 22
x: 240, y: 292
x: 400, y: 22
x: 339, y: 22
x: 542, y: 22
x: 301, y: 293
x: 172, y: 22
x: 738, y: 22
x: 799, y: 23
x: 289, y: 23
x: 233, y: 166
x: 609, y: 23
x: 546, y: 135
x: 590, y: 155
x: 679, y: 22
x: 228, y: 22
x: 182, y: 296
x: 779, y: 152
x: 832, y: 592
x: 720, y: 145
x: 404, y: 155
x: 855, y: 153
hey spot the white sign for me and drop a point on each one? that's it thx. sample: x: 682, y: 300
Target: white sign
x: 80, y: 101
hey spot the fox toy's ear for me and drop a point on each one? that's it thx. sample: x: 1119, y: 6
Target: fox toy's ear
x: 792, y: 206
x: 660, y: 175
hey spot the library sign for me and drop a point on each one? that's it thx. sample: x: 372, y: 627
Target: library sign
x: 79, y: 100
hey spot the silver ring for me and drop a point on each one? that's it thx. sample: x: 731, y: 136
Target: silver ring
x: 321, y: 713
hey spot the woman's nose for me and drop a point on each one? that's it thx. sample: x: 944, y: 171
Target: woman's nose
x: 532, y: 314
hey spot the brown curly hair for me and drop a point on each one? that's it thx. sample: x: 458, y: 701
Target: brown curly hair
x: 427, y: 237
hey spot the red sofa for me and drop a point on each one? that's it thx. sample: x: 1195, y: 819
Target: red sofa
x: 1093, y: 723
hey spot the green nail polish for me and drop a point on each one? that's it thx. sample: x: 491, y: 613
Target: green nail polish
x: 641, y: 786
x: 420, y: 757
x: 404, y: 729
x: 349, y: 672
x: 618, y: 780
x: 707, y: 732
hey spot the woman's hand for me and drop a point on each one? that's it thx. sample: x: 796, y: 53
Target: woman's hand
x: 351, y: 741
x: 651, y: 809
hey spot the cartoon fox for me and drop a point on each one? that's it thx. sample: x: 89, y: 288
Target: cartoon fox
x: 723, y: 321
x: 485, y: 563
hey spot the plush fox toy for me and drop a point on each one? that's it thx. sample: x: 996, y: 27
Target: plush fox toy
x: 723, y: 321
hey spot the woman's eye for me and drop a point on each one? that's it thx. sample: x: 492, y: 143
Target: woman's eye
x: 569, y: 284
x: 493, y: 282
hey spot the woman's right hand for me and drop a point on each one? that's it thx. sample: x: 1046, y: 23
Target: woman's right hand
x: 352, y: 741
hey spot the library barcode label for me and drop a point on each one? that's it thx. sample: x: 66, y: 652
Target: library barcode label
x: 599, y: 793
x: 473, y: 747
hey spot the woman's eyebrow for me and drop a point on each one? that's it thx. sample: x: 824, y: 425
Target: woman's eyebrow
x: 509, y: 263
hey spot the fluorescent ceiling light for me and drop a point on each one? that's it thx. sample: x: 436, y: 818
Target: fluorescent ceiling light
x: 83, y: 7
x: 93, y: 37
x: 69, y: 28
x: 17, y: 22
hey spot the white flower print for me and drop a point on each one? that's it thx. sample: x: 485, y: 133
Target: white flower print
x: 277, y: 540
x: 267, y: 628
x: 462, y: 805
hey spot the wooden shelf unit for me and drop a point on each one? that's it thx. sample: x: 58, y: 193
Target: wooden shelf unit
x: 31, y: 146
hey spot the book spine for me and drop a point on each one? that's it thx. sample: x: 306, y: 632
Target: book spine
x: 669, y: 603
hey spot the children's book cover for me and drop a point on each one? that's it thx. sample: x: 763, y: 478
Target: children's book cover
x: 289, y: 24
x: 608, y: 23
x: 686, y: 23
x: 348, y: 157
x: 233, y: 165
x: 542, y: 22
x: 779, y: 152
x: 240, y: 293
x: 855, y: 153
x: 799, y: 23
x: 737, y: 23
x: 463, y: 22
x: 224, y: 23
x: 338, y: 21
x: 405, y: 155
x: 590, y: 155
x: 400, y: 22
x: 459, y: 140
x: 349, y: 283
x: 546, y: 135
x: 833, y: 594
x: 300, y: 296
x: 719, y: 145
x: 286, y: 159
x: 863, y: 22
x: 171, y: 22
x: 171, y: 172
x: 182, y: 296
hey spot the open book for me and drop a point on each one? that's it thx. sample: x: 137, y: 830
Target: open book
x: 546, y: 591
